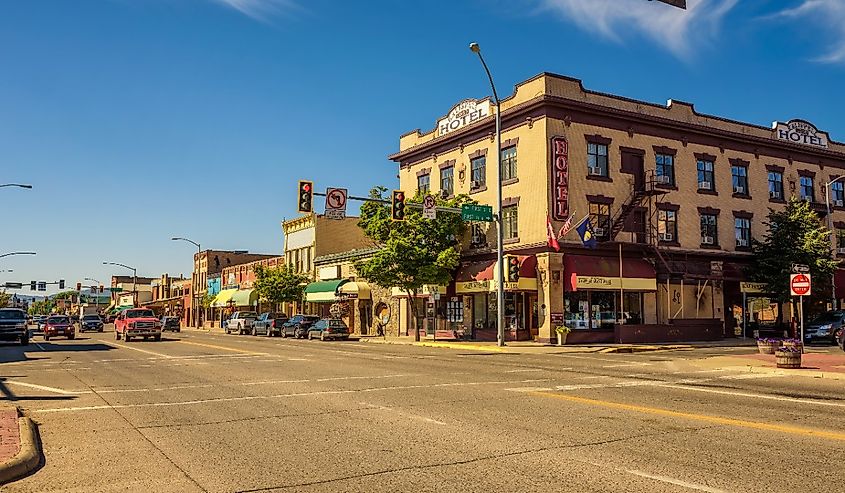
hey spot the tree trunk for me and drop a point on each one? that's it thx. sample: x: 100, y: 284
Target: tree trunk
x: 412, y: 300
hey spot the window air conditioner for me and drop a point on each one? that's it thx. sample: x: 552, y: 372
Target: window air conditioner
x: 739, y: 190
x: 774, y: 194
x: 741, y: 242
x: 662, y: 179
x: 838, y: 203
x: 707, y: 240
x: 595, y: 171
x: 840, y: 251
x: 475, y: 184
x: 704, y: 185
x: 598, y: 231
x: 667, y: 237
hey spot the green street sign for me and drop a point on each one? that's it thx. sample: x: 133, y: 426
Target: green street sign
x: 116, y: 290
x: 474, y: 212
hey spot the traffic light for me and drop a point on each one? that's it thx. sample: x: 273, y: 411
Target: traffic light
x: 397, y: 206
x: 61, y: 283
x: 101, y: 288
x: 33, y: 285
x: 306, y: 197
x: 512, y: 266
x: 79, y: 286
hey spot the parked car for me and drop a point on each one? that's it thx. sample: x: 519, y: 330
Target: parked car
x: 241, y: 322
x: 41, y: 322
x: 137, y: 322
x: 91, y: 322
x: 825, y: 328
x: 298, y: 325
x: 269, y: 324
x: 59, y: 325
x: 171, y: 323
x: 13, y: 325
x: 328, y: 328
x: 841, y: 340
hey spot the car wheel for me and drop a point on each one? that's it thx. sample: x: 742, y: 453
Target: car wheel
x: 269, y: 332
x: 101, y: 329
x: 254, y: 332
x: 71, y: 337
x: 127, y: 338
x: 116, y: 335
x: 46, y: 337
x: 283, y: 333
x: 25, y: 340
x: 310, y: 336
x: 157, y: 337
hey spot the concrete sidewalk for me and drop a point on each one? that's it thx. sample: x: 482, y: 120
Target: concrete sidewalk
x: 813, y: 364
x: 19, y: 445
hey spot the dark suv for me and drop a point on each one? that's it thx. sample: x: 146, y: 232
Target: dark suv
x: 13, y: 326
x: 298, y: 325
x: 91, y: 322
x: 825, y: 328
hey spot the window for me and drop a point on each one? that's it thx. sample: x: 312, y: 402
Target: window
x: 742, y: 226
x: 837, y: 194
x: 667, y: 226
x: 424, y: 183
x: 807, y: 189
x: 740, y: 179
x: 709, y: 231
x: 447, y: 180
x: 478, y: 172
x: 510, y: 224
x: 665, y: 169
x: 600, y: 220
x: 705, y: 175
x: 840, y: 239
x: 509, y: 163
x: 775, y: 185
x: 597, y: 159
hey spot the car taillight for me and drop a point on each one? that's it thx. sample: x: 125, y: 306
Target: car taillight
x: 273, y: 324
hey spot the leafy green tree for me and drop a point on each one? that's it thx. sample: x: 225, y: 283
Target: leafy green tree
x: 207, y: 300
x: 795, y: 235
x: 280, y: 284
x: 5, y: 298
x: 65, y: 295
x: 414, y: 252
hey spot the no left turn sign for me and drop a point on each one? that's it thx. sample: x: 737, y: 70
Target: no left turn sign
x: 800, y: 284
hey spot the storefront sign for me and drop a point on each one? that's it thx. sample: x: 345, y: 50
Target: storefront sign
x: 629, y: 283
x: 557, y: 318
x: 752, y: 287
x: 801, y: 132
x: 463, y: 114
x: 560, y: 179
x: 487, y: 286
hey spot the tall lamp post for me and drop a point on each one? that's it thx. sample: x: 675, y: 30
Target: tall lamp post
x: 500, y: 264
x: 134, y: 278
x: 194, y: 295
x: 16, y: 253
x: 18, y: 185
x: 832, y: 238
x: 96, y: 292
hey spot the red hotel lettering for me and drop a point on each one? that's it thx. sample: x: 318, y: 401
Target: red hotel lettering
x: 560, y: 179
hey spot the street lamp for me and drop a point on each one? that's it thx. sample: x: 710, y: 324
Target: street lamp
x: 500, y: 287
x: 194, y: 283
x: 96, y: 292
x: 830, y: 227
x: 134, y: 277
x: 16, y: 253
x: 19, y: 185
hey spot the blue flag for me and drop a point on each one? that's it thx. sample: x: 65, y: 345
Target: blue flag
x: 585, y: 231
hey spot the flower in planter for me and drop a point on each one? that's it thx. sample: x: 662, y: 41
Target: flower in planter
x: 789, y: 349
x: 767, y: 340
x: 562, y: 329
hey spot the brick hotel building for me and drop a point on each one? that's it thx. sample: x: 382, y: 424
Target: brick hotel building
x: 674, y: 196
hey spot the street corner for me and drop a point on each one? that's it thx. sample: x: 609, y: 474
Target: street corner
x: 467, y: 346
x: 645, y: 348
x: 813, y: 365
x: 20, y: 446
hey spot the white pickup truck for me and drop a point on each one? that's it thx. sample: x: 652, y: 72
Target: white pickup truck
x: 241, y: 322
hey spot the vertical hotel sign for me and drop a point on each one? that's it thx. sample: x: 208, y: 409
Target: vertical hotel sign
x: 560, y: 179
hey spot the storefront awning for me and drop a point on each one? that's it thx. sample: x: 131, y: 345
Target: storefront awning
x: 323, y: 291
x: 223, y: 297
x: 588, y: 272
x: 479, y: 277
x: 353, y: 290
x: 245, y: 297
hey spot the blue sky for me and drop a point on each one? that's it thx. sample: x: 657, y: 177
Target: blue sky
x: 138, y: 120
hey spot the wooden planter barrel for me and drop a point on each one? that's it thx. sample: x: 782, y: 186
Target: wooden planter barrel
x: 799, y: 345
x: 787, y: 359
x: 767, y: 347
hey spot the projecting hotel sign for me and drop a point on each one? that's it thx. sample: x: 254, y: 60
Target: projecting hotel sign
x: 560, y: 179
x: 462, y: 114
x: 800, y: 132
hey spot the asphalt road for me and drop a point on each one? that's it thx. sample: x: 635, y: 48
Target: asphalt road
x: 208, y: 412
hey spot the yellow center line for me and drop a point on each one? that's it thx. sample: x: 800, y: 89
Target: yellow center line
x: 795, y: 430
x: 243, y: 351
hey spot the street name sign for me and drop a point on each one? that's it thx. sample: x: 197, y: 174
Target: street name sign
x: 336, y: 203
x: 800, y: 269
x: 475, y: 212
x: 429, y: 207
x: 800, y: 284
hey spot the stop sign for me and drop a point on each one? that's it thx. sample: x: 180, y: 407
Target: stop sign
x: 799, y: 284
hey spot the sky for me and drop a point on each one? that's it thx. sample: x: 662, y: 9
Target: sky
x: 139, y: 120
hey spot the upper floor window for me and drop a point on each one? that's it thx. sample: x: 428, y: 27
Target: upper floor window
x: 447, y: 181
x: 667, y: 226
x: 739, y: 175
x: 840, y: 239
x: 775, y: 185
x: 600, y: 220
x: 510, y: 223
x: 424, y: 183
x: 597, y: 159
x: 705, y: 175
x: 709, y: 229
x: 807, y: 192
x: 509, y: 163
x: 742, y: 225
x: 665, y: 169
x: 837, y: 193
x: 478, y: 172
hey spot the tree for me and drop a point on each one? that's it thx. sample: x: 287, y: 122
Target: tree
x: 65, y: 295
x: 279, y: 285
x: 795, y: 235
x: 5, y: 298
x: 413, y: 252
x: 41, y: 307
x: 207, y: 300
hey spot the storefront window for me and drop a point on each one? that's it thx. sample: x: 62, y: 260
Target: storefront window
x: 632, y: 308
x: 603, y: 306
x: 577, y: 310
x: 479, y: 311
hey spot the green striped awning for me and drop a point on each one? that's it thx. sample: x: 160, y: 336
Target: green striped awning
x: 323, y: 291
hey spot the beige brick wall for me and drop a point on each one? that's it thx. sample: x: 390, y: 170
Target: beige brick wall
x: 335, y: 236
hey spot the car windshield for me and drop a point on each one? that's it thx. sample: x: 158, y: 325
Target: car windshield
x: 309, y: 318
x: 249, y: 315
x: 829, y: 317
x: 139, y: 313
x: 11, y: 315
x: 91, y: 317
x: 58, y: 320
x: 336, y: 323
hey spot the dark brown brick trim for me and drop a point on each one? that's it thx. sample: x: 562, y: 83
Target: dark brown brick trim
x: 839, y: 224
x: 703, y: 156
x: 423, y: 172
x: 707, y: 192
x: 709, y: 210
x: 777, y: 201
x: 806, y: 172
x: 478, y: 190
x: 600, y: 199
x: 478, y: 153
x: 599, y: 178
x: 665, y: 186
x: 743, y: 196
x: 735, y: 161
x: 598, y: 139
x: 775, y: 168
x: 666, y: 206
x: 510, y: 241
x: 510, y: 143
x: 665, y: 150
x: 632, y: 150
x: 448, y: 164
x: 743, y: 214
x: 714, y: 246
x: 510, y: 182
x: 508, y: 201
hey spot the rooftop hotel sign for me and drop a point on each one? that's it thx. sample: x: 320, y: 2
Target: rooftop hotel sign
x: 462, y: 114
x: 800, y: 132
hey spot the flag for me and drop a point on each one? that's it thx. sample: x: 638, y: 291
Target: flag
x: 567, y: 226
x: 585, y: 231
x: 550, y: 234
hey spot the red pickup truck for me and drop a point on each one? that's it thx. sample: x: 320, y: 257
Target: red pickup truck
x: 137, y: 322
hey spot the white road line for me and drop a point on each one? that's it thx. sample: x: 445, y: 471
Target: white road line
x: 358, y: 378
x: 529, y: 389
x: 676, y: 482
x: 396, y: 411
x: 48, y: 389
x: 521, y: 370
x: 124, y: 346
x: 298, y: 359
x: 756, y: 396
x: 40, y: 346
x: 625, y: 365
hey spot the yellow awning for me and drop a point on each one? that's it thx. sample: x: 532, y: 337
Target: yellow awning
x: 223, y: 297
x: 352, y: 290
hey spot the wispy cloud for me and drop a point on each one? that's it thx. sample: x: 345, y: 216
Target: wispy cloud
x: 261, y: 9
x: 679, y: 31
x: 830, y: 14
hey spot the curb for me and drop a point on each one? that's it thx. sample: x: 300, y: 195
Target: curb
x: 828, y: 375
x: 29, y: 455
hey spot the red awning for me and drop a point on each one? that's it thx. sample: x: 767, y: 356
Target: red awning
x: 586, y: 265
x: 839, y: 280
x: 483, y: 270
